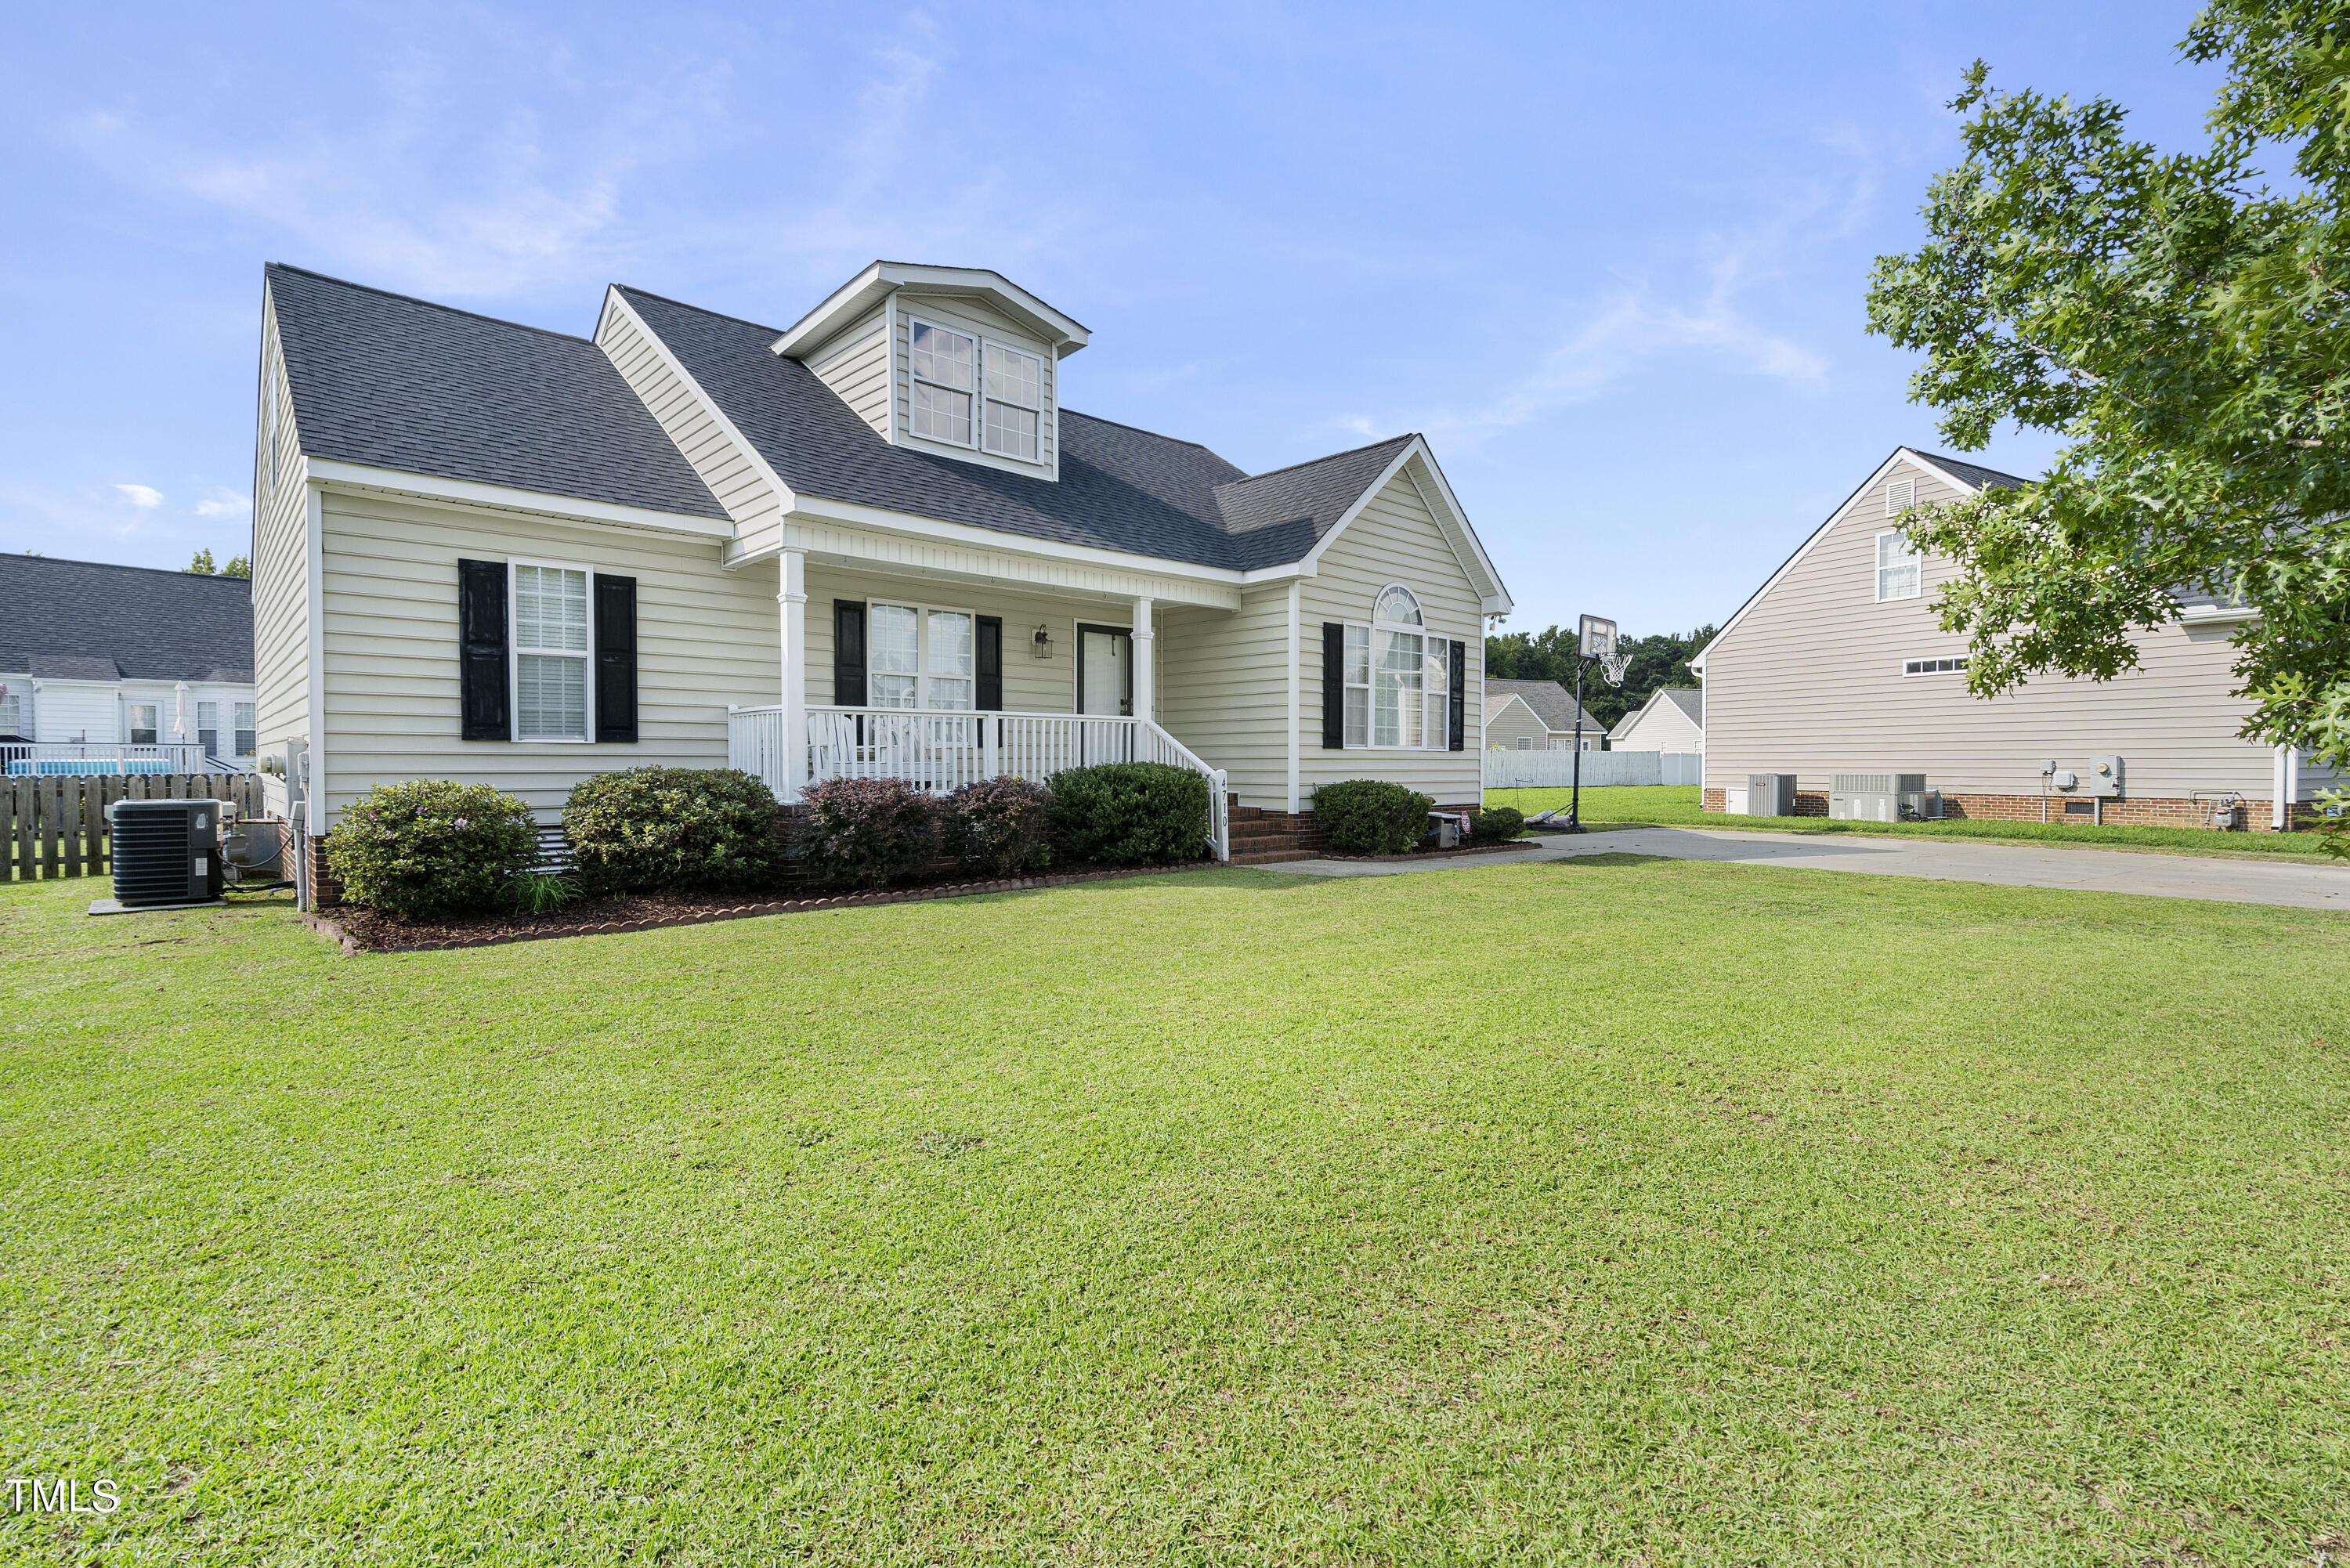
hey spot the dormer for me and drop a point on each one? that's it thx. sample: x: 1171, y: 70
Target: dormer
x: 960, y: 361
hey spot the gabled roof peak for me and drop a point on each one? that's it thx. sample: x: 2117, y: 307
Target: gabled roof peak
x: 1064, y: 334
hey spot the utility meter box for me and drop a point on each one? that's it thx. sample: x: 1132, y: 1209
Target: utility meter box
x: 1770, y: 794
x: 2105, y: 777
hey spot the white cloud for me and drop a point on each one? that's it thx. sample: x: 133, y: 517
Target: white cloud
x: 224, y: 503
x: 141, y: 494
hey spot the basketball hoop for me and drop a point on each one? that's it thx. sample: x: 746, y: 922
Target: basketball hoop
x: 1596, y: 637
x: 1614, y: 665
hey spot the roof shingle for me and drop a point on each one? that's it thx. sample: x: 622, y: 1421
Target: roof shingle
x: 86, y: 620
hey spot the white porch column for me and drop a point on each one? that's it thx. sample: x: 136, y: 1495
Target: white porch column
x: 1145, y: 667
x: 793, y: 601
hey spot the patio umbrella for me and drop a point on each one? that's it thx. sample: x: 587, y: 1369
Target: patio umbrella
x: 183, y: 720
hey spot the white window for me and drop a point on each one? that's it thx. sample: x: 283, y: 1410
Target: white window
x: 208, y: 727
x: 247, y: 741
x: 918, y: 657
x: 1933, y: 666
x: 1398, y: 678
x: 1015, y: 401
x: 945, y: 379
x: 142, y: 723
x: 550, y: 660
x: 1897, y: 569
x: 12, y: 712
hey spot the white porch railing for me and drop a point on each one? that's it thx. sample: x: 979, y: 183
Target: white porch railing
x: 942, y: 751
x: 36, y: 757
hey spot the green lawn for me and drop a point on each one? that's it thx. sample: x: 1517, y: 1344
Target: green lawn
x: 1615, y: 1211
x: 1678, y: 806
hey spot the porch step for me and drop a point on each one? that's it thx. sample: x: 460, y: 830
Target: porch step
x: 1268, y: 856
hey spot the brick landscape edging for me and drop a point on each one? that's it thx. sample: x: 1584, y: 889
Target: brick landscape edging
x: 351, y: 944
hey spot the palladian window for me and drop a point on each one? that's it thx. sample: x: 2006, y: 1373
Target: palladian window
x: 1398, y: 678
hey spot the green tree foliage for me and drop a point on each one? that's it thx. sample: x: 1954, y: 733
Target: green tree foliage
x: 2185, y: 326
x: 201, y: 566
x: 203, y: 563
x: 1658, y: 661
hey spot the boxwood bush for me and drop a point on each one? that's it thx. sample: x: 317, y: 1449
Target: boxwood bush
x: 431, y: 847
x: 1003, y: 826
x: 1128, y: 813
x: 1497, y: 824
x: 685, y: 830
x: 1370, y: 816
x: 861, y: 832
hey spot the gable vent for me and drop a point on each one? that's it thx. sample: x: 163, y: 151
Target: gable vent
x: 1900, y: 496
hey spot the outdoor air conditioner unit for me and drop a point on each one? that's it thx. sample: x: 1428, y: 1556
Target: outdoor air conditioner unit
x: 1883, y: 797
x: 1770, y: 794
x: 165, y: 851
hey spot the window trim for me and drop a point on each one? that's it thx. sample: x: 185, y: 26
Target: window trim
x: 1956, y: 663
x: 131, y: 707
x: 922, y: 676
x: 1048, y: 408
x: 1437, y: 714
x: 1877, y: 565
x: 514, y: 651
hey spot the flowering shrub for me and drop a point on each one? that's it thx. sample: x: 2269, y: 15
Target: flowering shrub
x: 431, y: 847
x: 1370, y: 816
x: 1003, y: 825
x: 1129, y: 813
x: 860, y: 833
x: 685, y: 830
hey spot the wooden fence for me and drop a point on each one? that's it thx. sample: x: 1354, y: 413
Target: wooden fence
x: 55, y: 824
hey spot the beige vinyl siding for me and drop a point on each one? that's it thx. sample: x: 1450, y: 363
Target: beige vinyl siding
x: 1395, y: 539
x: 1513, y: 720
x: 1810, y: 682
x: 970, y: 316
x: 689, y: 420
x: 705, y: 637
x: 855, y: 366
x: 1031, y: 685
x: 281, y: 605
x: 1661, y: 727
x: 1224, y: 686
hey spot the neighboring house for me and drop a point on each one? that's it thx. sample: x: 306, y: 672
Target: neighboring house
x: 95, y: 659
x: 1671, y: 720
x: 488, y: 551
x: 1838, y: 664
x: 1535, y: 716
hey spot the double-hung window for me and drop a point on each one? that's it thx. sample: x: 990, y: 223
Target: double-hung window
x: 920, y: 657
x: 248, y: 740
x: 550, y: 642
x: 142, y: 723
x: 1015, y: 401
x: 12, y: 712
x: 945, y: 372
x: 208, y: 727
x: 1396, y: 677
x: 973, y: 392
x: 1897, y: 569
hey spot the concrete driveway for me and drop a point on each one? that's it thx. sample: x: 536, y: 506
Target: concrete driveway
x: 2316, y: 885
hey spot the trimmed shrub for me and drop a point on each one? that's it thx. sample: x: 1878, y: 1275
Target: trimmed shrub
x: 684, y: 830
x: 1370, y: 816
x: 1129, y: 813
x: 1497, y: 824
x: 431, y: 847
x: 1003, y: 825
x: 860, y: 833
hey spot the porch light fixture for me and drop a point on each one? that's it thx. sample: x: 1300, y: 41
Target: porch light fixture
x: 1041, y: 643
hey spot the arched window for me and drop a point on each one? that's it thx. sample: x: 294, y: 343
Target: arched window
x: 1398, y: 678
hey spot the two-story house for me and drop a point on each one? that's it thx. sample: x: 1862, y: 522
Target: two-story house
x: 873, y: 541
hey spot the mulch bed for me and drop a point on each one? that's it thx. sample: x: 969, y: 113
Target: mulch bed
x: 1433, y: 854
x: 365, y: 930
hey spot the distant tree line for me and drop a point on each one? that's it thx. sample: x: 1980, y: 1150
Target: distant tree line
x: 1658, y: 661
x: 238, y: 566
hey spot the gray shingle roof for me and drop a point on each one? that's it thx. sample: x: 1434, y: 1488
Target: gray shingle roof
x: 1120, y: 489
x: 401, y: 383
x: 85, y: 620
x: 1553, y: 703
x: 1974, y: 473
x: 1690, y: 700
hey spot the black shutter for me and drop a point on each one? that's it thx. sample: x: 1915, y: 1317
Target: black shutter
x: 848, y: 653
x: 481, y: 649
x: 616, y: 658
x: 1333, y: 685
x: 990, y: 664
x: 1458, y: 741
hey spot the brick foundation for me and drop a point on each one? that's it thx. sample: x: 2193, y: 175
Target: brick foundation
x: 2137, y: 811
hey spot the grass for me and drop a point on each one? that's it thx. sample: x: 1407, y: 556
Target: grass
x: 1651, y: 1211
x: 1678, y: 806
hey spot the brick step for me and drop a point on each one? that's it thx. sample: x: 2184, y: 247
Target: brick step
x: 1269, y: 856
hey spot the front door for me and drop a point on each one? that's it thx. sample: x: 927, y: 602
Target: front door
x: 1105, y: 672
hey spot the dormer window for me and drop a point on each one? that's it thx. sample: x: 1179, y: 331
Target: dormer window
x: 943, y: 376
x: 1015, y: 401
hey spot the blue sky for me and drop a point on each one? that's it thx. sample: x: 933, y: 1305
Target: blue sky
x: 1610, y: 258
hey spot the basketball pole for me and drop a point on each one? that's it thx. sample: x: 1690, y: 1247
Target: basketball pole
x: 1575, y: 805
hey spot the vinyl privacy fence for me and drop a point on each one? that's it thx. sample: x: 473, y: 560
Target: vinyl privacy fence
x: 55, y: 824
x: 1547, y: 770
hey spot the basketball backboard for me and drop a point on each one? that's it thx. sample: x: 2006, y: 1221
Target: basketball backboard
x: 1598, y: 638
